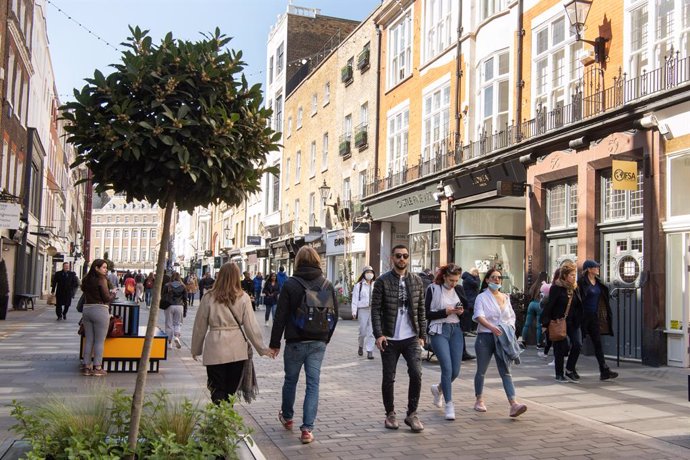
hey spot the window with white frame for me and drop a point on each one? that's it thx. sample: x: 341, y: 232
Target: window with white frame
x: 312, y: 159
x: 117, y: 234
x: 125, y: 233
x: 144, y: 234
x: 298, y: 166
x: 279, y: 58
x: 556, y: 71
x: 296, y: 224
x: 638, y: 61
x: 108, y: 234
x: 400, y: 50
x: 279, y: 113
x: 311, y: 219
x: 494, y: 93
x: 347, y: 126
x: 299, y: 117
x: 347, y: 192
x: 436, y: 121
x: 154, y: 233
x: 314, y: 103
x: 398, y: 126
x: 437, y: 27
x: 620, y: 205
x: 287, y: 173
x: 488, y: 8
x: 362, y: 183
x: 561, y: 205
x: 270, y: 70
x: 289, y: 127
x: 327, y: 93
x: 678, y: 171
x: 324, y: 152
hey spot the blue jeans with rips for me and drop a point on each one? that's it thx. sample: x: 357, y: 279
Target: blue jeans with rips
x: 448, y: 347
x: 310, y: 355
x: 485, y: 347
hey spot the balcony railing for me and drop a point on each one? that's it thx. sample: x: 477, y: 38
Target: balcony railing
x: 450, y: 152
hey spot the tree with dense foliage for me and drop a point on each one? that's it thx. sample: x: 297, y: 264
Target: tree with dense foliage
x: 177, y: 124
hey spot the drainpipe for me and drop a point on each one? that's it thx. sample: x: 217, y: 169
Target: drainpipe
x: 519, y: 84
x: 374, y: 252
x: 450, y: 209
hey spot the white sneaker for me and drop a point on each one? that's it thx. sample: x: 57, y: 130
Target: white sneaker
x: 436, y: 393
x: 552, y: 363
x: 450, y: 411
x: 178, y: 344
x: 541, y: 354
x: 266, y: 324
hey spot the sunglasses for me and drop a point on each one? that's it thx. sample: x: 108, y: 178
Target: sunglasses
x: 399, y: 255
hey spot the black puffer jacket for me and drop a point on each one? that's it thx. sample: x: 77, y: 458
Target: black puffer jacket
x: 557, y: 304
x: 290, y: 299
x: 384, y: 304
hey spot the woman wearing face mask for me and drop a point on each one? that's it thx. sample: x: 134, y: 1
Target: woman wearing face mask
x: 445, y: 302
x: 361, y: 309
x: 492, y: 309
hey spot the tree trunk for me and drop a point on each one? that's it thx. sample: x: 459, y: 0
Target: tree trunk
x: 139, y: 388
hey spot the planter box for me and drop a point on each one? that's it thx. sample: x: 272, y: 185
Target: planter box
x: 361, y: 139
x: 344, y: 148
x: 346, y: 74
x: 363, y: 60
x: 345, y: 311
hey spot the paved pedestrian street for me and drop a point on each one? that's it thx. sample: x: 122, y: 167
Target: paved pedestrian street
x: 642, y: 414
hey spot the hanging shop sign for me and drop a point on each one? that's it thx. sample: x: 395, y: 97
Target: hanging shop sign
x: 624, y: 175
x: 335, y: 242
x: 9, y: 215
x: 253, y: 241
x: 429, y: 216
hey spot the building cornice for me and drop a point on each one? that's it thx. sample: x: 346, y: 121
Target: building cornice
x: 22, y: 49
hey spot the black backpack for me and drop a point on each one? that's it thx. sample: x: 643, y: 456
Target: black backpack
x: 315, y: 317
x: 169, y: 295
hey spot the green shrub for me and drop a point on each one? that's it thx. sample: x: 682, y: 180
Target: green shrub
x: 96, y: 425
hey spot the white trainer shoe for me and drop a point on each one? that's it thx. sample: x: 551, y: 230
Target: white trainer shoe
x: 436, y: 393
x: 178, y: 344
x: 450, y: 411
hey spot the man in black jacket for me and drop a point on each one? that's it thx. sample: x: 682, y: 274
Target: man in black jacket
x: 248, y: 287
x: 399, y: 323
x: 65, y: 283
x: 301, y: 348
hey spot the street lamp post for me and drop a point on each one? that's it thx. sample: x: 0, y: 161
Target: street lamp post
x: 342, y: 215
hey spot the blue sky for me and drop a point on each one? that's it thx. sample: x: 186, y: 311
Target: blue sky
x: 76, y: 53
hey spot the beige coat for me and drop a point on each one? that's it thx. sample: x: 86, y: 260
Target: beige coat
x: 217, y: 336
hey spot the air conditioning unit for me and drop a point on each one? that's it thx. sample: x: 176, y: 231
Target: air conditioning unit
x: 585, y: 56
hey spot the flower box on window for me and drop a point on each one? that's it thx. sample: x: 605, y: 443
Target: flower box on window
x: 346, y: 74
x: 344, y: 148
x: 361, y: 139
x: 363, y: 60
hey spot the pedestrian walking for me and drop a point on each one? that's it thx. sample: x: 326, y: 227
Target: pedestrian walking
x: 139, y: 279
x: 95, y: 317
x: 492, y: 311
x: 248, y: 287
x: 306, y: 316
x: 445, y: 304
x: 399, y: 323
x: 534, y: 312
x: 470, y: 284
x: 596, y: 308
x: 565, y: 302
x: 148, y: 288
x: 361, y: 311
x: 192, y: 284
x: 258, y: 285
x: 544, y: 297
x: 130, y: 288
x: 224, y: 312
x: 282, y: 277
x: 63, y: 286
x: 113, y: 280
x: 271, y: 291
x: 205, y: 283
x: 177, y: 293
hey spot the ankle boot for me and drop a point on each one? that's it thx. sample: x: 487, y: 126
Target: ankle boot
x: 607, y: 373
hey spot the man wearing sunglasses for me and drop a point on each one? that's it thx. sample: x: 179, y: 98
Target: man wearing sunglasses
x: 399, y: 323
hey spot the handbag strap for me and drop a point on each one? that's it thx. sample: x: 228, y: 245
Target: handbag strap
x: 238, y: 323
x: 570, y: 299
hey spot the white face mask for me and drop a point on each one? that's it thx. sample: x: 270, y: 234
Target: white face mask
x: 369, y: 276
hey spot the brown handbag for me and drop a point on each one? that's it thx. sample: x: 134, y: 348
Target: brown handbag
x: 558, y: 329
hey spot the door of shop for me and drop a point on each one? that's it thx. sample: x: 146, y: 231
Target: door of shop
x: 621, y: 270
x: 561, y: 250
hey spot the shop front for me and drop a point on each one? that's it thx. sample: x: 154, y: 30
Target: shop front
x: 345, y: 257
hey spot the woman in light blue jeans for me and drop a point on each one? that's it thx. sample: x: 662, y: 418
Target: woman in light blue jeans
x: 95, y: 317
x: 445, y: 303
x: 492, y: 308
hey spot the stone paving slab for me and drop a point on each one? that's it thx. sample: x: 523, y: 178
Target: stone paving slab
x: 642, y: 414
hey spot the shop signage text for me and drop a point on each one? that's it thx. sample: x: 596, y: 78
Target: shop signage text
x: 9, y: 215
x: 336, y: 241
x: 429, y: 216
x: 624, y: 175
x: 413, y: 201
x: 253, y: 240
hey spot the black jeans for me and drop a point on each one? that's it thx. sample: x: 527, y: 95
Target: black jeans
x: 590, y: 327
x: 61, y: 308
x: 411, y: 351
x: 572, y: 349
x: 223, y: 380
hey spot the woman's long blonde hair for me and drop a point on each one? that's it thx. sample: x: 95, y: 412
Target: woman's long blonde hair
x: 227, y: 288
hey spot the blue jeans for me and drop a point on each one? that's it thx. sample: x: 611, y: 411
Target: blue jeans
x: 147, y: 296
x: 309, y: 354
x: 485, y: 347
x: 448, y: 347
x: 533, y: 311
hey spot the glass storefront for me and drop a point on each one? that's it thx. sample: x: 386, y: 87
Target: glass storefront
x: 492, y: 237
x: 424, y: 250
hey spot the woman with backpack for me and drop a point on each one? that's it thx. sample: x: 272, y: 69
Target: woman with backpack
x: 130, y: 288
x: 361, y: 309
x: 148, y: 289
x: 175, y: 294
x: 305, y: 342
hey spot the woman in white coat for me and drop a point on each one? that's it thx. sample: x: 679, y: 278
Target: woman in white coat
x: 217, y: 335
x: 361, y: 309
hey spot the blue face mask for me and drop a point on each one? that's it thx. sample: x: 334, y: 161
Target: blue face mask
x: 494, y: 287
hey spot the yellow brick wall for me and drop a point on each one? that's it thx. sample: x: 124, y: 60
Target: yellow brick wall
x: 678, y: 144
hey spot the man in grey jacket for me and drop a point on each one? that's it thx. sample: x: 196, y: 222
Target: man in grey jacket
x: 398, y: 319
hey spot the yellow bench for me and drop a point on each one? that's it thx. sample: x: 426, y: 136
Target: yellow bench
x: 122, y: 354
